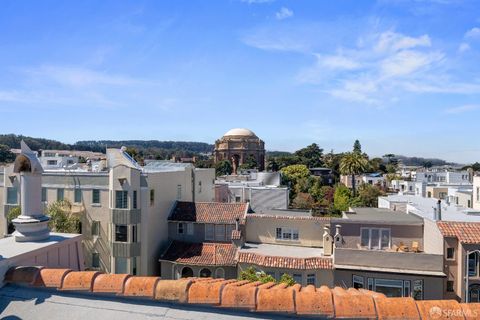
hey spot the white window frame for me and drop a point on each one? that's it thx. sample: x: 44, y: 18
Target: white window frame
x: 378, y: 246
x: 207, y: 226
x: 446, y: 254
x: 287, y: 234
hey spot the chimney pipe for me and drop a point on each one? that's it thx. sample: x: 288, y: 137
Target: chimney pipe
x: 439, y: 210
x: 237, y: 222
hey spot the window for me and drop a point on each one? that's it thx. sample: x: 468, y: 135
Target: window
x: 77, y: 196
x: 370, y: 284
x: 95, y: 228
x: 357, y: 282
x: 190, y: 229
x: 297, y: 278
x: 473, y: 264
x: 95, y: 260
x: 228, y: 231
x: 287, y: 234
x: 121, y: 199
x: 220, y: 232
x: 152, y: 197
x: 219, y: 273
x: 51, y: 162
x: 121, y: 233
x: 450, y: 286
x: 389, y: 287
x: 375, y: 238
x: 179, y: 192
x: 121, y: 265
x: 406, y: 288
x: 133, y: 261
x: 180, y: 228
x: 238, y: 199
x: 450, y: 253
x: 311, y: 279
x: 134, y: 204
x: 12, y: 196
x: 478, y: 194
x: 209, y: 232
x: 134, y: 233
x: 44, y: 194
x: 199, y: 186
x: 205, y: 273
x: 417, y: 290
x: 60, y: 194
x: 95, y: 196
x: 187, y: 272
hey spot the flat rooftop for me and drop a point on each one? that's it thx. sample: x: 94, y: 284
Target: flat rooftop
x: 380, y: 215
x: 284, y: 212
x: 424, y: 207
x: 281, y: 250
x: 9, y: 248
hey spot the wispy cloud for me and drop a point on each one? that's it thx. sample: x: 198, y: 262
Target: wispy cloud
x: 284, y: 13
x: 473, y: 33
x: 463, y: 47
x: 462, y: 109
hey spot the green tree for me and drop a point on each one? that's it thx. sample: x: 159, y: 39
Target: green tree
x: 376, y: 165
x: 311, y: 156
x: 12, y: 214
x: 303, y: 201
x: 252, y: 275
x: 250, y: 163
x: 368, y: 195
x: 357, y: 147
x: 287, y: 279
x: 223, y: 168
x: 272, y: 165
x: 61, y: 217
x: 295, y: 176
x: 341, y: 198
x: 5, y: 154
x: 352, y: 164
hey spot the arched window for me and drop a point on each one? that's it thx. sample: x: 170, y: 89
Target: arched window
x: 205, y: 273
x: 219, y: 273
x: 187, y: 272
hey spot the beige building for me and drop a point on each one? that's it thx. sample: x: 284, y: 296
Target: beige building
x: 123, y: 209
x: 237, y: 146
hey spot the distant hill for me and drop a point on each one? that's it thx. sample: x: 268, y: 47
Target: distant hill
x: 155, y: 148
x: 419, y: 161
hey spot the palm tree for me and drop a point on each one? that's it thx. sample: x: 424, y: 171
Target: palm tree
x: 353, y: 163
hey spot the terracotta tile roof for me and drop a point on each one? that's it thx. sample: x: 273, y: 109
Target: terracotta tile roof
x: 236, y: 234
x: 285, y: 262
x: 323, y: 302
x: 208, y: 212
x: 259, y: 215
x: 465, y: 232
x: 207, y: 253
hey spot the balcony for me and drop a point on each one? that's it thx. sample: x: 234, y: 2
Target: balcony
x: 126, y: 249
x: 372, y: 260
x: 126, y: 216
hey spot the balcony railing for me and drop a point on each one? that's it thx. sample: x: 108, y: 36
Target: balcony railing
x: 126, y: 249
x: 126, y: 216
x: 421, y: 262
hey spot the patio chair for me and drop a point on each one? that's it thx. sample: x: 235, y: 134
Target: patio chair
x: 415, y: 247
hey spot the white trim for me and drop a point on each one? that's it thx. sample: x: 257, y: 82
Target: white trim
x: 379, y: 245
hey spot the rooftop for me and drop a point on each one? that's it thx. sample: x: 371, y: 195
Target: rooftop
x: 165, y: 165
x: 62, y: 293
x: 204, y: 254
x: 424, y: 207
x: 380, y: 215
x: 208, y: 212
x: 465, y: 232
x: 240, y: 132
x: 282, y: 213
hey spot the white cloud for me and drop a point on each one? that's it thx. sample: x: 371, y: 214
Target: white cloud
x: 257, y: 1
x: 473, y: 33
x: 462, y: 109
x: 407, y: 62
x: 463, y: 47
x: 337, y: 62
x: 392, y: 41
x: 284, y: 13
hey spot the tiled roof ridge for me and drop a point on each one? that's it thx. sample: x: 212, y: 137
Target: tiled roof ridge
x: 465, y: 232
x: 337, y: 303
x: 200, y: 253
x: 279, y: 216
x: 285, y: 262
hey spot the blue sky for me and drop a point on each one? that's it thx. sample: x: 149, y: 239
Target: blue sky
x: 403, y: 77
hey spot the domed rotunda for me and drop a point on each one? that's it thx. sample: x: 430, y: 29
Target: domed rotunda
x: 237, y: 145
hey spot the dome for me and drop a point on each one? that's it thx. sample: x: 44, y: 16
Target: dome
x: 240, y: 132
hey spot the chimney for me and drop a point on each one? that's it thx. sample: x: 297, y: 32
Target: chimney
x: 327, y: 241
x: 338, y: 239
x: 237, y: 224
x: 439, y: 210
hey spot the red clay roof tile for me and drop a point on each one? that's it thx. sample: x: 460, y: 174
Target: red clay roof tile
x: 110, y: 283
x: 141, y: 286
x: 79, y: 280
x: 285, y: 262
x: 465, y: 232
x: 208, y: 212
x: 51, y: 278
x: 211, y: 254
